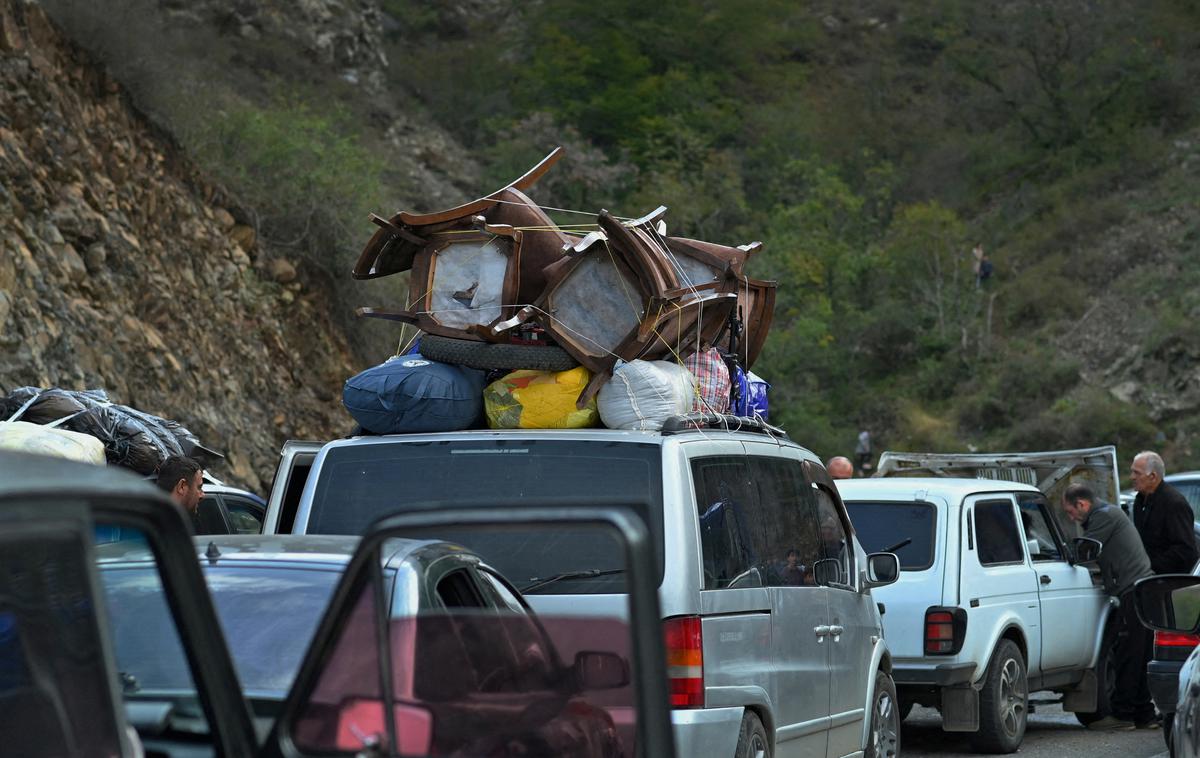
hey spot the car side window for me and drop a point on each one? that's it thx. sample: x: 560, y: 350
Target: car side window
x: 530, y: 648
x: 835, y: 543
x: 996, y: 534
x: 1191, y: 492
x: 1037, y: 525
x: 785, y: 521
x: 725, y: 500
x: 245, y: 516
x: 456, y: 590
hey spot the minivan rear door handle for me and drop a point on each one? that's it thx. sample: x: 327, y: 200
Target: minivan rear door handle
x: 822, y: 632
x: 835, y: 631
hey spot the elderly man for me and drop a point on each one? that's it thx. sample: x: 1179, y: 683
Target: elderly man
x: 1123, y: 561
x: 840, y: 467
x: 1162, y: 516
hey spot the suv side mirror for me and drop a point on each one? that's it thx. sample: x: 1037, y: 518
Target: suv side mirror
x: 1168, y: 603
x: 882, y: 569
x: 1087, y: 550
x: 600, y: 670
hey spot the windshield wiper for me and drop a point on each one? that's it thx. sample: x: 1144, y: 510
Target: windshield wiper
x: 536, y: 583
x: 897, y: 546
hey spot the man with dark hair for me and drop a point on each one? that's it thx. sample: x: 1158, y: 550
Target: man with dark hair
x: 1123, y: 561
x: 1162, y: 516
x: 182, y: 479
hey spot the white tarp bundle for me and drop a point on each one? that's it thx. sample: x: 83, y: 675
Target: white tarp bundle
x: 643, y: 394
x: 24, y: 437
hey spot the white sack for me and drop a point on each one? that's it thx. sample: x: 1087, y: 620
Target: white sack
x: 643, y: 394
x: 24, y: 437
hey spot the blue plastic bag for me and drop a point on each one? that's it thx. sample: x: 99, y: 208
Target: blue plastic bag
x: 752, y: 395
x: 409, y: 393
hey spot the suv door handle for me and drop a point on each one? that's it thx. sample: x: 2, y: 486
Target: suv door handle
x: 836, y: 632
x: 822, y: 632
x: 1045, y: 579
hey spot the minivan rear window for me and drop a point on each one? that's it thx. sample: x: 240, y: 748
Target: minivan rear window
x: 883, y: 525
x: 360, y: 483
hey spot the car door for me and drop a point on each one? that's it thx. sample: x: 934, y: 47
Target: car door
x: 998, y: 584
x: 1067, y: 596
x: 852, y: 630
x: 783, y: 523
x: 295, y: 462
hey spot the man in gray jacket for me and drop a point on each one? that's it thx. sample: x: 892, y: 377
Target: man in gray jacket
x: 1123, y: 561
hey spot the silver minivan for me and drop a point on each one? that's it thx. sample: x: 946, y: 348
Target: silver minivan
x: 774, y: 643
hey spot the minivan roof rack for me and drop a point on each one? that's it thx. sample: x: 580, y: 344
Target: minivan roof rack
x: 720, y: 421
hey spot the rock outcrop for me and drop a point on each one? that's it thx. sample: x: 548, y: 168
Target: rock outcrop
x: 121, y: 267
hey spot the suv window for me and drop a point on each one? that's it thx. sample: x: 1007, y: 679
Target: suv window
x: 757, y: 527
x: 245, y: 516
x: 996, y: 534
x: 1037, y: 523
x: 359, y: 483
x: 880, y: 526
x: 835, y: 545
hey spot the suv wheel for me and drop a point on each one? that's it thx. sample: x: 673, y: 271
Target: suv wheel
x: 1106, y: 678
x: 885, y: 720
x: 1003, y: 702
x: 752, y: 739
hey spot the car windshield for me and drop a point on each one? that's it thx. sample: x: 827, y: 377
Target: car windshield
x: 884, y: 526
x: 268, y: 615
x: 359, y: 483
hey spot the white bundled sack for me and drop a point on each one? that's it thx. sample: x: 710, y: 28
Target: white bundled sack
x: 24, y: 437
x: 643, y: 394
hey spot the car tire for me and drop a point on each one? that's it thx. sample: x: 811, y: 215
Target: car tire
x: 1003, y: 702
x: 488, y: 356
x: 752, y: 738
x: 1106, y: 678
x: 883, y: 738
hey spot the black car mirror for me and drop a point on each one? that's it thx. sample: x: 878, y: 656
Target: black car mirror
x: 1169, y: 603
x: 600, y: 670
x: 828, y: 571
x: 1087, y: 550
x: 882, y: 569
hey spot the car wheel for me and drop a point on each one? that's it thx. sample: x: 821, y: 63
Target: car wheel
x: 1003, y: 702
x: 1106, y: 678
x: 884, y: 735
x: 752, y: 739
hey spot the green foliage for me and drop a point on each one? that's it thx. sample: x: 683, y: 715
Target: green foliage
x: 307, y: 177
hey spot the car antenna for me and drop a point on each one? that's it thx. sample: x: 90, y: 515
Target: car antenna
x: 212, y: 554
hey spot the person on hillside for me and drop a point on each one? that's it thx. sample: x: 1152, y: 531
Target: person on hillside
x: 1163, y: 517
x: 982, y: 266
x: 1123, y: 561
x: 182, y: 478
x: 862, y: 451
x: 840, y: 467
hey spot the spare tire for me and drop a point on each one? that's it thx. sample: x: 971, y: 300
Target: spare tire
x: 487, y: 356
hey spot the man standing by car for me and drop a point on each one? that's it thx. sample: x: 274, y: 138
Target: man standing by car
x: 181, y: 478
x: 1123, y: 561
x: 1163, y: 517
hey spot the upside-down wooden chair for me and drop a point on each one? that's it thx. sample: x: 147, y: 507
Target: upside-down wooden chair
x: 472, y: 266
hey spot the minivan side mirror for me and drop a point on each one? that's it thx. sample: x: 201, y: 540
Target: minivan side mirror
x: 1168, y: 603
x: 600, y: 670
x: 827, y: 571
x: 1087, y: 550
x: 882, y: 569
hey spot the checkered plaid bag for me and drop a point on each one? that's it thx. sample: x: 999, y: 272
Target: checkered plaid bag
x: 712, y: 381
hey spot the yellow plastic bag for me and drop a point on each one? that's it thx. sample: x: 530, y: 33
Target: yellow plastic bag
x: 539, y: 400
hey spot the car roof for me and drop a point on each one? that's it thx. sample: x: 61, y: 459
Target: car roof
x: 919, y: 487
x: 575, y: 435
x: 24, y: 475
x: 1181, y: 475
x: 316, y: 548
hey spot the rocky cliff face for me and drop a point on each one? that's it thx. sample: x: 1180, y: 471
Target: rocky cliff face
x: 120, y: 268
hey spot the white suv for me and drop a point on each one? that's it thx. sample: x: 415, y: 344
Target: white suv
x: 991, y: 604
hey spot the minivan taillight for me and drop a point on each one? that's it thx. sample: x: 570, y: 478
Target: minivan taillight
x: 945, y: 630
x: 685, y: 661
x: 1172, y: 646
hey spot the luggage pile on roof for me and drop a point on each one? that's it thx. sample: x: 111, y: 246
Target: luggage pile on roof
x: 86, y: 426
x: 496, y: 284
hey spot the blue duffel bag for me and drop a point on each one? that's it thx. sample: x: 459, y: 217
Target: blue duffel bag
x: 409, y: 393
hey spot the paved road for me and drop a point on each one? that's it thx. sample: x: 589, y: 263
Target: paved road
x: 1051, y: 733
